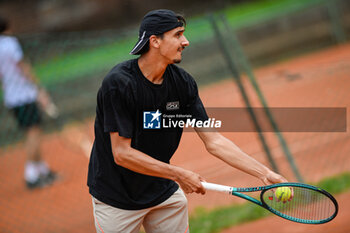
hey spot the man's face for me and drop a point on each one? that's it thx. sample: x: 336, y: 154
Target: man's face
x: 172, y: 44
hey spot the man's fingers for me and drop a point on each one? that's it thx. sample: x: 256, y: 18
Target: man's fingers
x: 202, y: 179
x: 202, y: 190
x: 188, y: 191
x: 199, y: 189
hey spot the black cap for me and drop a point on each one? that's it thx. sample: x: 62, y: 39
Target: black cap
x: 155, y: 23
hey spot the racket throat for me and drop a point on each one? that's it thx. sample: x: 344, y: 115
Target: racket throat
x: 248, y: 198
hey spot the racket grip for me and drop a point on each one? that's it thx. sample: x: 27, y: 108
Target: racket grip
x: 217, y: 187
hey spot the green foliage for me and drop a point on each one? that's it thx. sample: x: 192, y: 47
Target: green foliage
x: 254, y: 12
x: 83, y: 63
x: 336, y: 184
x: 92, y: 61
x: 213, y: 221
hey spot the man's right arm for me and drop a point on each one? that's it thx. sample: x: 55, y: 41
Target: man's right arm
x: 132, y: 159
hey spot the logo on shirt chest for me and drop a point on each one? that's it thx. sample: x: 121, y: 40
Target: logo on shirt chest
x: 171, y: 106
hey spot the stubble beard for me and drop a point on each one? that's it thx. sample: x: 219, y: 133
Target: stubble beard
x: 177, y: 61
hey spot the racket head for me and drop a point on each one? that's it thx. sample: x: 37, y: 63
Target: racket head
x: 309, y: 204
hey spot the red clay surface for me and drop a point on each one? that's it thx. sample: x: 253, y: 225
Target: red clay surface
x: 316, y: 80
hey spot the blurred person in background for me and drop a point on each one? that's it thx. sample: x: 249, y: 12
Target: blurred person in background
x: 24, y: 98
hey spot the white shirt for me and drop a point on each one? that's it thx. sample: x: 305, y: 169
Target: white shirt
x: 18, y: 90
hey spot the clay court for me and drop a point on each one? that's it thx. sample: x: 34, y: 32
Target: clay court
x: 320, y: 79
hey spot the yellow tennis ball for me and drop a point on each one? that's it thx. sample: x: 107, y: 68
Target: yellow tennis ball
x: 283, y: 193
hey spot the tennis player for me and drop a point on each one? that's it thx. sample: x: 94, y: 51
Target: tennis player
x: 129, y: 177
x: 21, y: 94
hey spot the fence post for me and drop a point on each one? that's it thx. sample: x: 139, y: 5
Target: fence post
x: 249, y: 71
x: 336, y: 22
x: 237, y: 78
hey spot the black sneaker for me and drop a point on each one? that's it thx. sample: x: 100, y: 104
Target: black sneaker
x: 39, y: 183
x: 50, y: 177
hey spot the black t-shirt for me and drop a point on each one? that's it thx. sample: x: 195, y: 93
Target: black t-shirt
x: 122, y: 100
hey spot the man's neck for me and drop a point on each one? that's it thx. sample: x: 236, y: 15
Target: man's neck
x: 152, y: 68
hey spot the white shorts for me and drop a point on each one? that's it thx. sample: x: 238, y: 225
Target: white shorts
x: 171, y: 216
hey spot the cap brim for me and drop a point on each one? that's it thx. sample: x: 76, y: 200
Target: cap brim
x: 139, y: 45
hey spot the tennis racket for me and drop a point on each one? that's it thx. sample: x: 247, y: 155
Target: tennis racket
x: 308, y: 204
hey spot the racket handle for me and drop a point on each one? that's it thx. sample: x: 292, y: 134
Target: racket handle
x: 217, y: 187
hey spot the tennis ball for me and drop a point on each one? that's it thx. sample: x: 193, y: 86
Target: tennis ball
x: 283, y: 193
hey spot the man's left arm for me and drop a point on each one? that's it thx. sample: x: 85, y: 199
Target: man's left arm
x: 43, y: 98
x: 224, y: 149
x: 27, y: 71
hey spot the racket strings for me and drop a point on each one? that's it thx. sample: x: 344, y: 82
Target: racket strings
x: 306, y: 204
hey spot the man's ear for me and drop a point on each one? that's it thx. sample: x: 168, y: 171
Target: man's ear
x: 154, y: 41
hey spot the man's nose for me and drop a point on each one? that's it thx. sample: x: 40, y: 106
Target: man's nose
x: 185, y: 42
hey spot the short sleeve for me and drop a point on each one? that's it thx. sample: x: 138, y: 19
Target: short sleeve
x: 117, y: 113
x: 14, y: 48
x: 195, y: 106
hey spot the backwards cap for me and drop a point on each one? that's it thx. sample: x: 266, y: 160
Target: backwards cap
x: 155, y: 23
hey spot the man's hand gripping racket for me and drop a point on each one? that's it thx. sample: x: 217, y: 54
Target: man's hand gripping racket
x: 305, y: 204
